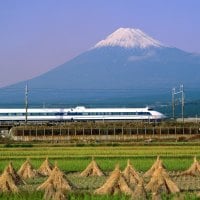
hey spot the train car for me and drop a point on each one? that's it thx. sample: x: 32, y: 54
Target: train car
x: 80, y: 113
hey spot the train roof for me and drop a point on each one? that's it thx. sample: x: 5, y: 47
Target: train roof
x: 76, y: 109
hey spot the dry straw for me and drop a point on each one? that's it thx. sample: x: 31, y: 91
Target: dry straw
x: 27, y: 171
x: 161, y: 182
x: 46, y: 168
x: 92, y: 170
x: 194, y: 169
x: 115, y: 184
x: 158, y: 163
x: 17, y: 179
x: 156, y: 196
x: 54, y: 194
x: 9, y: 180
x: 139, y: 192
x: 131, y: 175
x: 56, y: 185
x: 59, y: 196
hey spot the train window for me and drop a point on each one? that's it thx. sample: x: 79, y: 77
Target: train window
x: 12, y: 114
x: 131, y: 113
x: 3, y: 114
x: 59, y: 114
x: 74, y: 113
x: 144, y: 113
x: 37, y: 114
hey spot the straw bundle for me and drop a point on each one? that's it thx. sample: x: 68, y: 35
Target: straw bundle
x: 194, y: 169
x: 7, y: 183
x: 27, y: 171
x: 139, y: 192
x: 156, y: 196
x: 52, y: 194
x: 130, y: 174
x: 198, y: 195
x: 46, y: 168
x: 158, y: 163
x: 92, y: 170
x: 161, y: 182
x: 59, y: 196
x: 55, y: 186
x: 17, y: 179
x: 115, y: 184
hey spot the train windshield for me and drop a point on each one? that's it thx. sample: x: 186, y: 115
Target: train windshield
x: 149, y: 108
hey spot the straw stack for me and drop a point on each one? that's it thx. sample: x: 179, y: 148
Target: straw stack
x: 27, y: 171
x: 56, y: 185
x: 194, y: 169
x: 59, y: 196
x: 160, y: 182
x: 17, y: 179
x: 156, y: 196
x: 115, y: 184
x: 92, y: 170
x: 139, y: 192
x: 46, y: 168
x: 130, y: 175
x: 158, y: 163
x: 9, y: 180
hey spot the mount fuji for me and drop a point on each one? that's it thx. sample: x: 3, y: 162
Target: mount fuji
x: 127, y: 60
x: 129, y: 38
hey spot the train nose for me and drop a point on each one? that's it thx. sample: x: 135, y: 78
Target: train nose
x: 160, y: 115
x: 163, y: 116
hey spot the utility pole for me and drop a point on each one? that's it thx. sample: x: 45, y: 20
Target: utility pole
x: 182, y: 102
x: 173, y: 103
x: 26, y: 103
x: 180, y: 91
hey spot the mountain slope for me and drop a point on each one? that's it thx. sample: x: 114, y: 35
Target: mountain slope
x: 129, y: 38
x: 127, y: 59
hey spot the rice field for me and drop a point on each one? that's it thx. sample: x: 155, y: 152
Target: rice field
x: 73, y: 160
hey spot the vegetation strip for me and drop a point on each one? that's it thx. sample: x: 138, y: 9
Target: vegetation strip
x: 73, y: 160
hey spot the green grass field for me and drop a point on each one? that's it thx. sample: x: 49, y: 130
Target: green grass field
x: 74, y: 159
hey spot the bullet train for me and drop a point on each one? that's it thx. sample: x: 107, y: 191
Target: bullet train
x: 79, y: 114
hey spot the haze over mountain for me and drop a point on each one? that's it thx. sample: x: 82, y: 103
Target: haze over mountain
x: 128, y: 59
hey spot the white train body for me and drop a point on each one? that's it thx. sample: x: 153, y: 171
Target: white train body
x: 79, y: 114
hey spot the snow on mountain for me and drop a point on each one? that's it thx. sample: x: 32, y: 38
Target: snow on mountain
x: 126, y: 65
x: 129, y: 38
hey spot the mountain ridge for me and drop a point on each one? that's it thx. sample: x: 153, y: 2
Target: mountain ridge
x: 117, y: 67
x: 129, y: 38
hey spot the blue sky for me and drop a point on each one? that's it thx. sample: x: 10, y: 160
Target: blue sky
x: 38, y: 35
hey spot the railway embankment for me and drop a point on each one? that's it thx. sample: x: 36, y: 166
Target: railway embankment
x: 97, y: 132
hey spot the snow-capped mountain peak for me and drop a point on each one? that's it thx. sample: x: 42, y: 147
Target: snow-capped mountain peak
x: 129, y: 38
